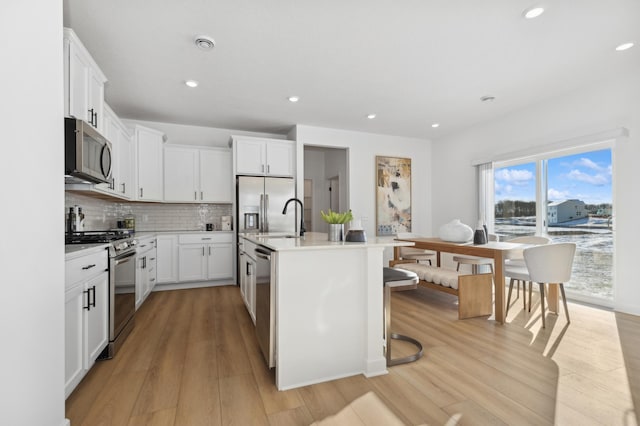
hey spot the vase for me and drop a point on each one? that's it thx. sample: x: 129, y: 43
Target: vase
x: 456, y: 232
x: 336, y: 231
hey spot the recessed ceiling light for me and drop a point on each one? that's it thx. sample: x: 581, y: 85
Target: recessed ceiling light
x: 371, y: 116
x: 533, y: 12
x: 204, y: 42
x: 294, y: 98
x: 624, y: 46
x: 434, y: 125
x: 488, y: 98
x: 191, y: 83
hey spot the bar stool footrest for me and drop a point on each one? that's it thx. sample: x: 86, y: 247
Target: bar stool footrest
x: 416, y: 356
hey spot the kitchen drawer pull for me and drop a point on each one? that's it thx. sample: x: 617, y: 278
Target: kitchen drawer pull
x: 206, y: 238
x: 88, y: 267
x: 152, y: 279
x: 152, y: 258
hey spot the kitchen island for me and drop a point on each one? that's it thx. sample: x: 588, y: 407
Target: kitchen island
x: 328, y: 307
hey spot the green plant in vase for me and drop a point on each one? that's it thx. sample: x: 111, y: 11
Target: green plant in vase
x: 336, y: 223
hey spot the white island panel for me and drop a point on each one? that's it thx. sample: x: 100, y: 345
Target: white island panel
x: 329, y: 318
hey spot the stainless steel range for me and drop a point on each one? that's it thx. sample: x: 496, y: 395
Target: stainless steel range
x: 122, y: 281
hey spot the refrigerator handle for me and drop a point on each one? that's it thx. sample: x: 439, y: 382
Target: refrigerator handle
x: 261, y: 214
x: 266, y: 209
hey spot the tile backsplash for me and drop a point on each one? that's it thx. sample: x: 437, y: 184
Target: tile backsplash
x: 104, y: 214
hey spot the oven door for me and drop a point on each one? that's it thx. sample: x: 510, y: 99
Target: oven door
x: 123, y: 296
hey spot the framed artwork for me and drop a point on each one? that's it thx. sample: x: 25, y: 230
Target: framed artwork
x: 393, y: 195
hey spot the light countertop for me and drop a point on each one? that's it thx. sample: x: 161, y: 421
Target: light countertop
x: 318, y: 240
x: 73, y: 251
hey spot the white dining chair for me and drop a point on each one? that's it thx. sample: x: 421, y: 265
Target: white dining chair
x: 475, y: 261
x: 516, y: 263
x: 547, y: 264
x: 410, y: 253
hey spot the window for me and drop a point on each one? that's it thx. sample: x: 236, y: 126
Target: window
x: 569, y: 198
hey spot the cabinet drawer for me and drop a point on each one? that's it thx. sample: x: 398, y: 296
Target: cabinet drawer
x: 210, y: 238
x: 85, y: 267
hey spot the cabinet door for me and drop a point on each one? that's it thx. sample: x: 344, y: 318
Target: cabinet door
x: 250, y: 157
x: 242, y: 277
x: 181, y: 174
x: 149, y: 144
x: 167, y: 259
x: 215, y: 176
x: 280, y: 158
x: 78, y: 84
x: 97, y: 317
x: 95, y: 99
x: 141, y: 279
x: 220, y: 261
x: 124, y: 184
x: 192, y: 260
x: 74, y: 368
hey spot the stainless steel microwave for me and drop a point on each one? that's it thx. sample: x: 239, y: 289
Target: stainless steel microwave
x: 87, y: 153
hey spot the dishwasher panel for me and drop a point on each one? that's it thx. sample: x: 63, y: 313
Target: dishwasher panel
x: 265, y: 312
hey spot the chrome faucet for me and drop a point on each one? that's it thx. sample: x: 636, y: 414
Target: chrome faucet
x: 284, y: 211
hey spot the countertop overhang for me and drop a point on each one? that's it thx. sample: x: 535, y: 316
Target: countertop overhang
x: 318, y: 240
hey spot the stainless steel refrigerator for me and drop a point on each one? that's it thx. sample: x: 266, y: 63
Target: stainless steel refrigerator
x: 259, y: 204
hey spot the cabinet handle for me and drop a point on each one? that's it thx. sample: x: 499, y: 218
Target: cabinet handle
x: 88, y: 267
x: 268, y: 168
x: 96, y: 122
x: 262, y: 168
x: 201, y: 197
x: 205, y: 238
x: 209, y: 250
x: 124, y: 188
x: 88, y: 307
x: 195, y: 195
x: 91, y: 116
x: 93, y: 303
x: 141, y: 192
x: 203, y: 251
x: 152, y: 259
x: 248, y: 268
x: 152, y: 279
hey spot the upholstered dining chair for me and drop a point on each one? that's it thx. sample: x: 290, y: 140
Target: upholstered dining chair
x: 516, y: 263
x: 547, y: 264
x: 410, y: 253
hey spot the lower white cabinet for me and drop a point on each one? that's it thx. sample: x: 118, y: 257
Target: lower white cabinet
x: 86, y: 315
x: 205, y: 257
x: 247, y: 278
x: 167, y: 252
x: 145, y: 269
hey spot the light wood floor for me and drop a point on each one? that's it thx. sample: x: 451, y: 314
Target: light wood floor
x: 192, y: 359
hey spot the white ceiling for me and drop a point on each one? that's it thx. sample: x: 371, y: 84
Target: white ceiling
x: 411, y: 62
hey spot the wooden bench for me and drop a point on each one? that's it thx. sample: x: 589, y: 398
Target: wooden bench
x: 474, y: 292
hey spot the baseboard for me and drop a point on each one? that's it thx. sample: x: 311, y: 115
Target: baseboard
x: 627, y: 309
x: 196, y: 284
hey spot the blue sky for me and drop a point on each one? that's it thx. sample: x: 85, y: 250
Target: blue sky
x: 585, y: 176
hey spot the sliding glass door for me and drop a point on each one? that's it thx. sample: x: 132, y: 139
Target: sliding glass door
x: 568, y: 198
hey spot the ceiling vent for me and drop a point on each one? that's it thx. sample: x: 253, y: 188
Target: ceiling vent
x: 205, y: 42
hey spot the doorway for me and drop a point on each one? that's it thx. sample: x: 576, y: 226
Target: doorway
x: 326, y: 183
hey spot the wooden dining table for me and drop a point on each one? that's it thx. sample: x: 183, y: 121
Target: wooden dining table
x: 498, y: 251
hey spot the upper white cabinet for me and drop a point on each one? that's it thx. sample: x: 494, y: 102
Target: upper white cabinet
x: 264, y: 157
x: 122, y: 153
x: 83, y: 82
x: 149, y: 161
x: 197, y: 175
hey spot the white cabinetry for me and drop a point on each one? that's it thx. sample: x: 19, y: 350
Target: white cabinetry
x: 145, y: 269
x: 167, y: 258
x: 247, y: 277
x: 197, y: 175
x: 204, y: 257
x: 149, y: 161
x: 264, y: 157
x: 121, y: 185
x: 86, y: 314
x: 83, y: 82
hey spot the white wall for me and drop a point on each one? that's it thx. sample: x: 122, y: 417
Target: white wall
x: 32, y: 243
x: 363, y: 148
x: 594, y: 109
x: 198, y: 135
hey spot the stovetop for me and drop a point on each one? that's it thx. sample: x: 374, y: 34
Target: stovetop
x: 107, y: 236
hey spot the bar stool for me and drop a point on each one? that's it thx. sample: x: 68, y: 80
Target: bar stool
x: 398, y: 279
